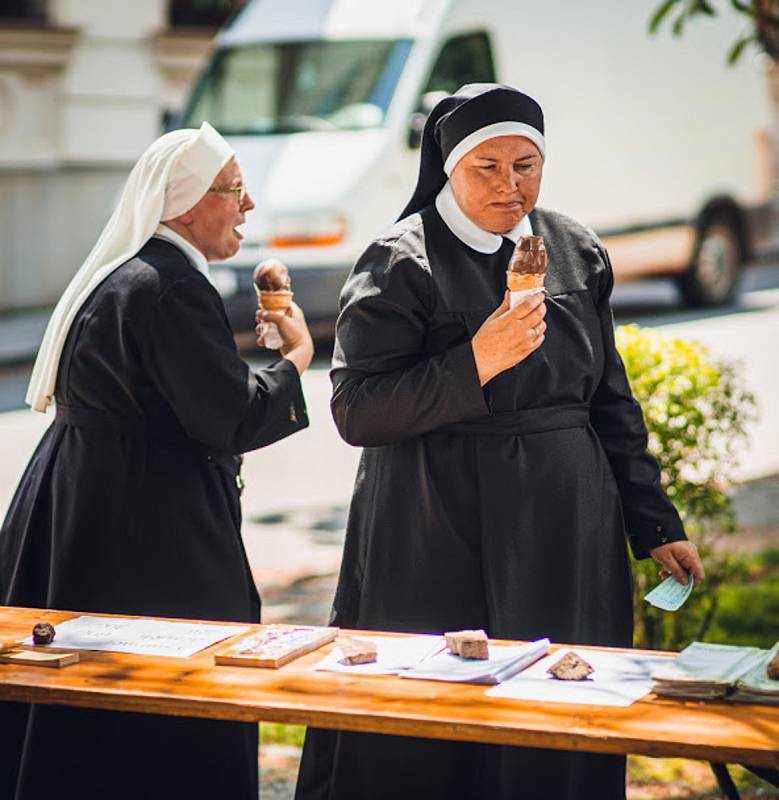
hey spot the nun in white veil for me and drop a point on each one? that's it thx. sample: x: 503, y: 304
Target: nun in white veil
x: 130, y: 504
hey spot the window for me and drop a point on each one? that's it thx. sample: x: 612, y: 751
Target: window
x: 206, y: 13
x: 287, y: 87
x: 23, y: 9
x: 463, y: 59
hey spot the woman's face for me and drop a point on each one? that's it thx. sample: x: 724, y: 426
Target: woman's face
x: 211, y: 224
x: 498, y: 182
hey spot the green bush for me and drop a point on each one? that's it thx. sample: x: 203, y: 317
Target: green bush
x: 748, y: 610
x: 696, y: 412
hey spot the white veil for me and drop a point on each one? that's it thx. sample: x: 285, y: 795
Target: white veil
x: 167, y: 180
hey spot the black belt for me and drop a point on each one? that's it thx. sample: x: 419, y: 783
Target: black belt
x: 531, y: 420
x: 97, y: 419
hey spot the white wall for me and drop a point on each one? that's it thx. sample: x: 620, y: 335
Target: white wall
x: 80, y: 99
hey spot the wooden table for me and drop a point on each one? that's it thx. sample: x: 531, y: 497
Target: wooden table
x: 195, y: 687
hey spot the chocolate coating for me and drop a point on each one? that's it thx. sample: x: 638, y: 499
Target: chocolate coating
x: 529, y: 256
x: 271, y: 275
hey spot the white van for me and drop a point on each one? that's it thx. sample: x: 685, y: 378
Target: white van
x: 653, y: 141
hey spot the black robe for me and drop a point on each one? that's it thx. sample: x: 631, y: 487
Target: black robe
x: 504, y: 508
x: 130, y: 505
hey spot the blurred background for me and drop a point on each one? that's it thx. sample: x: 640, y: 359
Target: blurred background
x: 662, y: 135
x: 654, y: 141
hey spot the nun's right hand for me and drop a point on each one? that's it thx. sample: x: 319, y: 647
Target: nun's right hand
x: 508, y: 336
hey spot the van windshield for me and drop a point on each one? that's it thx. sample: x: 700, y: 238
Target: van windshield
x: 287, y: 87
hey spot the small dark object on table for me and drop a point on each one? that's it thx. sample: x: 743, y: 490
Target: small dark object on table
x: 42, y: 633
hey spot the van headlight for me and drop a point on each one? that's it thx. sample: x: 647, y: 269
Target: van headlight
x: 311, y: 230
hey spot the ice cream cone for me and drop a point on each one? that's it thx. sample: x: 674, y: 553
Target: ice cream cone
x: 522, y: 281
x: 276, y: 300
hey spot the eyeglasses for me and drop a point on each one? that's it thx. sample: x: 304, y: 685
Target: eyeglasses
x: 239, y: 191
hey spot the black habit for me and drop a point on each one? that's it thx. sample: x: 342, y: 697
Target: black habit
x: 504, y: 508
x: 130, y: 505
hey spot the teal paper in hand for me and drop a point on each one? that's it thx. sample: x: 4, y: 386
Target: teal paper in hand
x: 670, y: 595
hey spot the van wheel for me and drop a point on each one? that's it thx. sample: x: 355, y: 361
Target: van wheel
x: 713, y: 276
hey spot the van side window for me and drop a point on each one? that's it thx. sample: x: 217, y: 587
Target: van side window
x: 463, y: 59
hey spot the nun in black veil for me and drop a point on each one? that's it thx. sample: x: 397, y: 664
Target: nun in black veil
x: 505, y: 466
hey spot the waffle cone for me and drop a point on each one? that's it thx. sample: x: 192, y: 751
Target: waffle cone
x: 278, y: 300
x: 521, y: 281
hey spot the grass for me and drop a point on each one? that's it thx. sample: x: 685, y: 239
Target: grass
x: 682, y: 779
x: 277, y: 734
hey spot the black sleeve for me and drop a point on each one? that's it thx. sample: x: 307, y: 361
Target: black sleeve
x: 385, y: 387
x: 191, y: 358
x: 650, y: 518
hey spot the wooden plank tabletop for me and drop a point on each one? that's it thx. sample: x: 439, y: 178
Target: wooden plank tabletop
x: 196, y: 687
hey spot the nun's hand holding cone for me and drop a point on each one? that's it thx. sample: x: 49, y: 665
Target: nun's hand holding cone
x: 297, y: 345
x: 508, y: 336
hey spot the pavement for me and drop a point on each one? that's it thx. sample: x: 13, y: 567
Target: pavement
x: 21, y: 334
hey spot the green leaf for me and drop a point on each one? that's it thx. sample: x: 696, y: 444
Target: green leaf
x: 702, y: 7
x: 678, y: 25
x: 738, y: 48
x: 741, y: 7
x: 660, y: 15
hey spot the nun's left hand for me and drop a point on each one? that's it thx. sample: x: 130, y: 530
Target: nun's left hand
x: 679, y: 559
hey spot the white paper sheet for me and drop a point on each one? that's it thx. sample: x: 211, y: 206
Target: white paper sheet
x: 522, y: 295
x: 619, y: 679
x: 504, y: 661
x: 392, y: 655
x: 141, y: 636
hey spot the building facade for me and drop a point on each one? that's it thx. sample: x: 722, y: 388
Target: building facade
x: 84, y: 88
